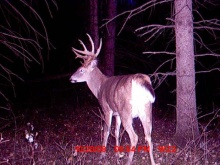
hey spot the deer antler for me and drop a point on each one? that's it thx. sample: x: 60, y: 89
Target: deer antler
x: 86, y: 55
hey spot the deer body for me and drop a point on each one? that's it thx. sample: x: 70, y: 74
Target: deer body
x: 125, y: 92
x: 125, y: 97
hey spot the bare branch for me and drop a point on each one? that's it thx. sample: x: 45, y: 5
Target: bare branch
x: 207, y: 54
x: 154, y: 26
x: 9, y: 72
x: 208, y: 71
x: 160, y: 52
x: 27, y: 22
x: 14, y: 36
x: 138, y: 10
x: 48, y: 6
x: 2, y: 94
x: 20, y: 51
x: 200, y: 41
x: 160, y: 77
x: 20, y: 42
x: 165, y: 62
x: 210, y: 26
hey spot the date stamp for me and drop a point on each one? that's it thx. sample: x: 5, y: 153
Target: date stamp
x: 99, y: 149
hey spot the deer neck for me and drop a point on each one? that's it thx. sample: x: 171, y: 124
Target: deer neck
x: 95, y: 81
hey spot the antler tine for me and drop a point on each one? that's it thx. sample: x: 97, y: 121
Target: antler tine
x: 85, y: 49
x: 85, y: 58
x: 92, y: 43
x: 99, y: 49
x: 85, y: 52
x: 79, y: 55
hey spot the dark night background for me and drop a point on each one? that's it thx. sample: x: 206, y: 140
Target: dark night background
x: 70, y: 22
x: 46, y: 88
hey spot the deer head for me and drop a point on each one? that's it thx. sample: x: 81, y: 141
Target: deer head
x: 89, y: 61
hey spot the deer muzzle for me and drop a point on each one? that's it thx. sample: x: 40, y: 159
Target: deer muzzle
x: 72, y: 80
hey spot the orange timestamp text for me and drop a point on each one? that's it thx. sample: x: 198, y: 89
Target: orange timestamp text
x: 167, y: 149
x: 90, y: 148
x: 163, y: 149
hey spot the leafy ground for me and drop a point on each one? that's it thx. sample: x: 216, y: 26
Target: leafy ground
x: 60, y: 122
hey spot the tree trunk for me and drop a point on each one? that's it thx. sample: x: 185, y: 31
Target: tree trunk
x: 187, y: 123
x: 109, y: 47
x: 94, y: 22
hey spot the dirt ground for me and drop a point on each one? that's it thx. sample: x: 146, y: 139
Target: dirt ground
x: 46, y: 132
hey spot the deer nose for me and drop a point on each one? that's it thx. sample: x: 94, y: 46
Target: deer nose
x: 72, y: 80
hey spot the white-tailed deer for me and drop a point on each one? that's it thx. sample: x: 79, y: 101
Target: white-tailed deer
x: 125, y: 97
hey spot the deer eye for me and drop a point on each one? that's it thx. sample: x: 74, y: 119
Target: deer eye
x: 81, y: 70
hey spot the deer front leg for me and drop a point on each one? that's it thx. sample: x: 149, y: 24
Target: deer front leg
x: 107, y: 126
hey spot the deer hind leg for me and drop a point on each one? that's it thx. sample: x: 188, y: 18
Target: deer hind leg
x: 127, y: 124
x: 146, y: 120
x: 107, y: 126
x: 117, y: 129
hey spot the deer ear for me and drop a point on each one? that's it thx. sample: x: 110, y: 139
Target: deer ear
x: 94, y: 63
